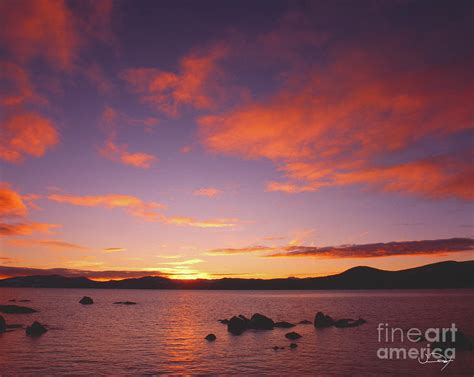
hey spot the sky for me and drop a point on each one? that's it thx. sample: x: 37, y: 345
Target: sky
x: 205, y: 139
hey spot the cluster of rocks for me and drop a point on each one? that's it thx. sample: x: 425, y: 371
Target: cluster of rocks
x: 322, y: 320
x: 36, y: 329
x: 86, y: 300
x: 239, y: 324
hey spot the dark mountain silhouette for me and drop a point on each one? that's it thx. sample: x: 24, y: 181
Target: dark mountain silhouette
x: 440, y: 275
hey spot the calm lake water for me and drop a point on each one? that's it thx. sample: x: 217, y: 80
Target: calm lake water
x: 165, y: 332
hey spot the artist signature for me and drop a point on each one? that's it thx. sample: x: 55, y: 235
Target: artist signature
x: 435, y: 357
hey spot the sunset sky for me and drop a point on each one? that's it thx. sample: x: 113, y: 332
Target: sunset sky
x: 234, y: 138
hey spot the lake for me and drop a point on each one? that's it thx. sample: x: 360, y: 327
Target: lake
x: 164, y: 332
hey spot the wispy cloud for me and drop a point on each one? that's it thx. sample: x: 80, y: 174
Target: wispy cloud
x: 47, y: 243
x: 99, y: 275
x: 374, y: 250
x: 51, y: 31
x: 209, y: 192
x: 148, y: 211
x: 114, y: 249
x: 26, y: 134
x: 119, y: 152
x: 13, y: 215
x: 184, y: 262
x: 191, y: 86
x: 241, y: 250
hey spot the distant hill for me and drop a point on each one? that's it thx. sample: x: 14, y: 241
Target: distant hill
x: 448, y: 274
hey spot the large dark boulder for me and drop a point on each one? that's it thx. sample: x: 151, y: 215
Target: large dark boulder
x: 3, y: 324
x: 292, y: 335
x: 261, y: 322
x: 15, y: 309
x: 321, y: 320
x: 86, y: 300
x: 237, y: 325
x: 347, y: 322
x: 210, y: 337
x: 284, y: 325
x: 36, y: 329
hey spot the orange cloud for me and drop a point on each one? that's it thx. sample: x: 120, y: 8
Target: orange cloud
x: 16, y: 87
x: 11, y: 204
x: 27, y: 228
x: 375, y: 250
x: 134, y: 206
x: 120, y: 153
x: 241, y: 250
x: 113, y: 249
x: 49, y: 29
x: 26, y: 134
x: 116, y: 152
x: 190, y: 221
x: 210, y: 192
x: 53, y: 244
x: 13, y: 208
x: 334, y: 125
x: 191, y: 86
x: 397, y: 248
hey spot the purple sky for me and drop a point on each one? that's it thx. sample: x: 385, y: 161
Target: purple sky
x: 156, y: 135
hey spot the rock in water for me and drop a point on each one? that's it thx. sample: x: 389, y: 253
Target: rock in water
x: 293, y: 345
x: 261, y: 322
x: 347, y: 322
x: 236, y: 325
x: 86, y: 300
x: 284, y: 325
x: 36, y: 329
x: 210, y: 337
x: 321, y: 320
x: 305, y: 322
x: 223, y: 321
x: 292, y: 335
x: 125, y: 303
x: 3, y: 324
x: 15, y: 309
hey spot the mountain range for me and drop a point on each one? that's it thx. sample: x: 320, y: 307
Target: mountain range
x: 449, y: 274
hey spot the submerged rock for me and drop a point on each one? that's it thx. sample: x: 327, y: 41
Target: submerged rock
x: 125, y: 303
x: 14, y: 326
x: 3, y: 324
x: 24, y: 300
x: 261, y: 322
x: 15, y: 309
x: 293, y: 345
x: 210, y: 337
x: 321, y: 320
x: 86, y: 300
x: 236, y: 325
x: 461, y: 342
x: 284, y: 325
x: 292, y: 335
x: 347, y: 322
x: 36, y: 329
x: 305, y: 322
